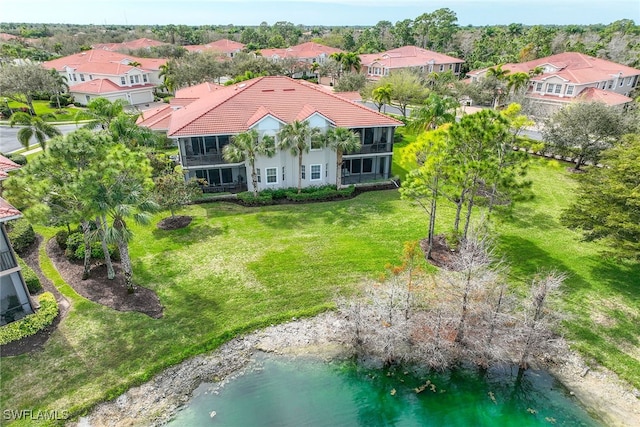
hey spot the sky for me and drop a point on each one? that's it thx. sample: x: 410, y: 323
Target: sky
x: 314, y: 12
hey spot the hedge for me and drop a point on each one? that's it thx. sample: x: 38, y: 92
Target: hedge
x: 30, y: 277
x: 21, y: 235
x: 269, y: 197
x: 32, y: 323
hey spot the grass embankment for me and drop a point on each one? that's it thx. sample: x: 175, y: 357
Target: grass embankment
x: 51, y: 114
x: 235, y: 269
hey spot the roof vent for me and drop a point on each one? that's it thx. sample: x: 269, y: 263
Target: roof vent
x: 288, y: 90
x: 268, y: 90
x: 241, y: 85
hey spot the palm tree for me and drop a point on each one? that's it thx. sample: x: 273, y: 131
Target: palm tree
x: 536, y: 71
x: 382, y: 95
x: 60, y: 83
x: 500, y: 76
x: 167, y: 75
x: 436, y: 111
x: 351, y: 61
x: 314, y: 69
x: 297, y: 137
x: 247, y: 146
x: 33, y: 127
x: 342, y: 140
x: 123, y: 129
x: 338, y: 57
x: 517, y: 81
x: 100, y: 112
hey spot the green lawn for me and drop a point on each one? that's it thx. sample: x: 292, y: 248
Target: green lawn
x: 43, y: 107
x: 235, y: 269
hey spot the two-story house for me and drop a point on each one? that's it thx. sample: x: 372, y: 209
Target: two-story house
x: 305, y: 54
x: 142, y: 43
x: 15, y: 302
x: 377, y: 65
x: 111, y: 75
x: 571, y: 76
x: 204, y: 127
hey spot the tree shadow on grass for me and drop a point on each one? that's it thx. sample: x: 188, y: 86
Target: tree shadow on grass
x: 526, y: 259
x: 529, y: 218
x: 194, y: 232
x: 621, y: 277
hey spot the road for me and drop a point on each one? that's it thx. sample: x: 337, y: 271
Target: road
x: 9, y: 137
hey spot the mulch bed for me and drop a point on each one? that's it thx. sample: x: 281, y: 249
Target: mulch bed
x: 174, y: 222
x: 441, y: 253
x: 99, y: 289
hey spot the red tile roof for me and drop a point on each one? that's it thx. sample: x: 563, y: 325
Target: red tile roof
x: 605, y: 96
x: 224, y: 46
x: 233, y: 109
x: 143, y: 43
x: 156, y: 118
x: 97, y: 56
x: 100, y: 86
x: 8, y: 212
x: 306, y: 50
x: 572, y: 67
x: 407, y: 56
x: 7, y: 165
x: 197, y: 91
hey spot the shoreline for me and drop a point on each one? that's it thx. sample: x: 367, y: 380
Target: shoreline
x: 156, y: 402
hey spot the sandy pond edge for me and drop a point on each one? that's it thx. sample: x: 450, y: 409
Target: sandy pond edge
x: 155, y: 402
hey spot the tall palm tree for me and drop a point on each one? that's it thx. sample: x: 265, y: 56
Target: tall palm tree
x: 33, y: 127
x: 436, y: 111
x: 123, y: 129
x: 342, y: 140
x: 314, y: 69
x: 500, y: 76
x: 297, y: 137
x: 247, y: 146
x: 536, y: 71
x: 101, y: 112
x: 60, y: 83
x: 338, y: 57
x: 168, y: 76
x: 517, y: 81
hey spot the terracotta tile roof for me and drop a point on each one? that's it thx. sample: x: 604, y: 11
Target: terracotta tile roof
x: 8, y: 212
x: 351, y: 96
x: 407, y: 56
x: 197, y: 91
x: 223, y: 45
x: 306, y: 50
x: 231, y: 109
x: 143, y: 43
x: 156, y: 118
x: 605, y: 96
x: 99, y: 86
x: 572, y: 67
x: 98, y: 56
x: 6, y: 36
x: 7, y: 165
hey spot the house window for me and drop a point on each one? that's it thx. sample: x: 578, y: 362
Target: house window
x: 88, y: 98
x: 367, y: 165
x: 569, y: 90
x: 283, y: 174
x: 90, y: 77
x: 451, y: 66
x: 386, y: 71
x: 75, y: 79
x: 558, y: 88
x: 131, y: 79
x: 137, y: 78
x: 81, y: 77
x: 441, y: 67
x: 123, y: 80
x: 258, y: 175
x: 629, y: 80
x: 538, y: 87
x: 144, y: 78
x: 316, y: 172
x: 550, y: 88
x: 326, y: 170
x: 621, y: 81
x: 303, y: 172
x: 272, y: 175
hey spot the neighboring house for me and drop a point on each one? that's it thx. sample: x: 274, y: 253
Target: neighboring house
x: 227, y: 47
x: 571, y: 76
x: 305, y: 54
x: 143, y: 43
x: 377, y: 65
x: 205, y: 126
x: 111, y: 75
x: 158, y: 118
x: 15, y: 302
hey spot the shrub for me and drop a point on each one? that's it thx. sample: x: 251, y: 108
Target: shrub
x: 65, y: 99
x: 30, y: 277
x: 18, y: 158
x: 249, y: 199
x: 21, y: 235
x: 61, y: 239
x: 75, y: 248
x: 32, y: 323
x: 5, y: 111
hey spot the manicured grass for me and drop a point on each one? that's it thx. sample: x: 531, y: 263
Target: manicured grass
x: 43, y: 107
x: 235, y: 269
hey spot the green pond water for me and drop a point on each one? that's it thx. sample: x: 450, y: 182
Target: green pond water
x: 280, y: 391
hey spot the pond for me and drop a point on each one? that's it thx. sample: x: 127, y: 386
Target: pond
x: 282, y: 391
